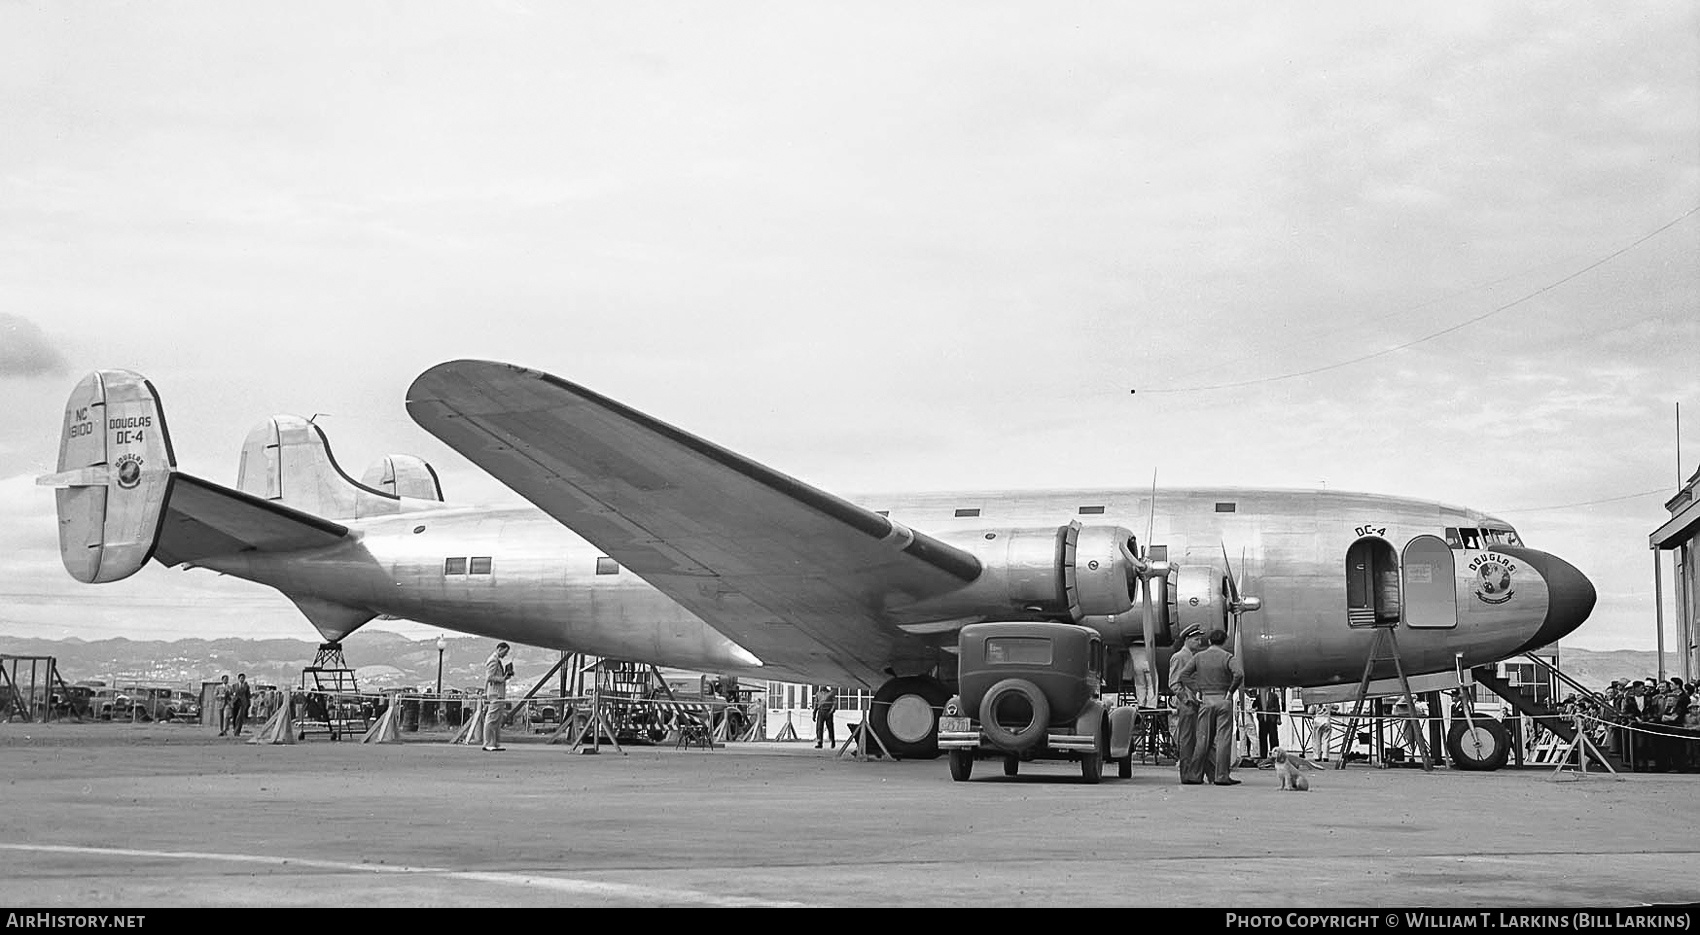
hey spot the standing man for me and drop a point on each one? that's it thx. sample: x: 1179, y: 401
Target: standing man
x: 221, y: 700
x: 1267, y: 702
x: 1213, y: 676
x: 497, y: 671
x: 826, y: 705
x: 1186, y: 706
x: 240, y: 696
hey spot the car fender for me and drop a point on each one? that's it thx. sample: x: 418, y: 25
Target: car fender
x: 1123, y: 720
x: 1090, y: 720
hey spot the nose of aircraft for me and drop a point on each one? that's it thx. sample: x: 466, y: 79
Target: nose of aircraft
x: 1570, y: 598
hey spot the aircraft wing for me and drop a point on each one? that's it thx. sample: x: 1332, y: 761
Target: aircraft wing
x: 203, y: 520
x: 795, y: 575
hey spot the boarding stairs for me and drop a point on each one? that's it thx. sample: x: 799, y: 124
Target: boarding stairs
x: 1547, y: 719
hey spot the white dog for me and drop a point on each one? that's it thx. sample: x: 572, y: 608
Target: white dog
x: 1291, y: 779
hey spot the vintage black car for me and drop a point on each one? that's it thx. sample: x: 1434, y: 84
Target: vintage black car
x: 1031, y: 691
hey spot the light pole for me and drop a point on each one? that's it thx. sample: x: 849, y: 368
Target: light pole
x: 442, y: 644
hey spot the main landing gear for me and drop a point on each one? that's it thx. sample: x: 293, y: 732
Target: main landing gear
x: 905, y: 715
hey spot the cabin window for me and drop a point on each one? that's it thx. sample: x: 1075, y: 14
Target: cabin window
x: 968, y: 511
x: 607, y: 566
x: 1018, y: 650
x: 454, y: 566
x: 1452, y: 540
x: 480, y: 565
x: 1091, y: 511
x: 1225, y: 507
x: 1471, y: 538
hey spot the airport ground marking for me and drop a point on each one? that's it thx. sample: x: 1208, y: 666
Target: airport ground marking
x: 509, y: 878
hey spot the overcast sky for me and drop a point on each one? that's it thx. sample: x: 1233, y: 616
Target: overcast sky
x: 877, y: 246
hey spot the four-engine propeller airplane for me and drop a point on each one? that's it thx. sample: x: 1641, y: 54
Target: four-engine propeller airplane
x: 649, y: 543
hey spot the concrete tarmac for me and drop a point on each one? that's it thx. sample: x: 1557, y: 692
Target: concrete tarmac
x: 103, y: 815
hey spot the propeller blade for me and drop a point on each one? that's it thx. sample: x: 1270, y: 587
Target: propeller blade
x: 1233, y: 589
x: 1150, y: 626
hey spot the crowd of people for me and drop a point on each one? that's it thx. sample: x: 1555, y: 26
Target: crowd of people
x: 1652, y: 724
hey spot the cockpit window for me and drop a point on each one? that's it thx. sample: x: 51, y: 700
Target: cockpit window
x: 1501, y: 536
x: 1468, y: 537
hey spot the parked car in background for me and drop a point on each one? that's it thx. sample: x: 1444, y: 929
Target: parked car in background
x: 184, y: 706
x: 150, y: 703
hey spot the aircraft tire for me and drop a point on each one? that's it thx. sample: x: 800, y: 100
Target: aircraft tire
x: 961, y: 765
x: 1011, y: 765
x: 1483, y: 749
x: 909, y: 695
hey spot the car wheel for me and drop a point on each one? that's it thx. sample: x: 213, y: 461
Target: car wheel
x: 1091, y: 767
x: 961, y: 765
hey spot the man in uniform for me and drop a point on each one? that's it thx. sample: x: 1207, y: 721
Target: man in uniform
x: 497, y: 671
x: 1186, y: 706
x: 1213, y: 675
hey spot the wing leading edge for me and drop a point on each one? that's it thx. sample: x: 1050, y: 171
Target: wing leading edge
x: 792, y: 573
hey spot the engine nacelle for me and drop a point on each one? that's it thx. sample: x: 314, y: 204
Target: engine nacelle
x: 404, y: 476
x: 1071, y: 572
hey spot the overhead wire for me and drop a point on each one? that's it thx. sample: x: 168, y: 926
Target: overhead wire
x: 1442, y: 332
x: 1567, y: 506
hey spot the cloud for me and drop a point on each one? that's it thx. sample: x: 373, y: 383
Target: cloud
x: 25, y: 351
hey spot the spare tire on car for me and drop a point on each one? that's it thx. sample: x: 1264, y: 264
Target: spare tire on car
x: 1014, y: 714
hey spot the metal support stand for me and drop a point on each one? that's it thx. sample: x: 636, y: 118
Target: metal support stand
x: 1582, y: 747
x: 594, y: 727
x: 1383, y: 634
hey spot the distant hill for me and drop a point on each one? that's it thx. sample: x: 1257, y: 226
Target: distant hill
x: 381, y: 660
x: 388, y: 660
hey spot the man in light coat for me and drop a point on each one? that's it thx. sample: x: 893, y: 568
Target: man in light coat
x: 497, y: 671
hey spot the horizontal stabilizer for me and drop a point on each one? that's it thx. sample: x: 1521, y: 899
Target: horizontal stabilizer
x: 205, y: 520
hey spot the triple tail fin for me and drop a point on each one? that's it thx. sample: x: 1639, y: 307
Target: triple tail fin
x: 287, y: 459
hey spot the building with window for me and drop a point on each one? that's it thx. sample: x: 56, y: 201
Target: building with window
x: 1680, y: 537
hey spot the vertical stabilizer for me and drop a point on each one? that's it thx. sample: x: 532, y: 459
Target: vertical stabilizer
x: 287, y: 459
x: 115, y: 468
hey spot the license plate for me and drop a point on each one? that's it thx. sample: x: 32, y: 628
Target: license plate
x: 957, y: 725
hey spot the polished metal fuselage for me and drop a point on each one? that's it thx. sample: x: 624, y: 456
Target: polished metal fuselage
x: 543, y: 587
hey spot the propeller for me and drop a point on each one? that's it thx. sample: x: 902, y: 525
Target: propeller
x: 1148, y: 620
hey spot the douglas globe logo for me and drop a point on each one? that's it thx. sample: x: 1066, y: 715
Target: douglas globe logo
x: 129, y: 471
x: 1492, y: 582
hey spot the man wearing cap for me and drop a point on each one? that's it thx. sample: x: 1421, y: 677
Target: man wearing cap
x: 1186, y: 706
x: 1213, y: 675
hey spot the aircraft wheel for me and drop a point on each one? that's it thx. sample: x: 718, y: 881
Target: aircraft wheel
x: 1091, y: 767
x: 905, y: 715
x: 1483, y: 747
x: 961, y: 765
x: 1011, y: 765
